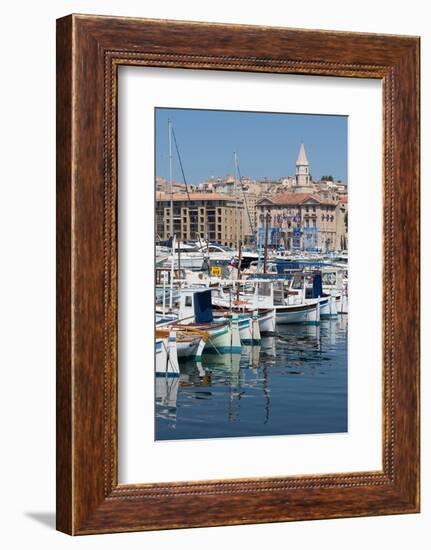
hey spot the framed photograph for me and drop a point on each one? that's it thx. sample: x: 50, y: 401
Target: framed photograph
x: 237, y: 274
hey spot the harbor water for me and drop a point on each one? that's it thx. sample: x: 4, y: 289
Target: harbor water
x: 292, y: 383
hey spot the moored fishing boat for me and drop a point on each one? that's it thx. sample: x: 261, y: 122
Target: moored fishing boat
x: 305, y: 286
x: 219, y: 335
x: 249, y: 328
x: 246, y: 304
x: 195, y: 314
x: 267, y: 322
x: 305, y: 313
x: 290, y: 305
x: 246, y: 324
x: 166, y: 353
x: 191, y: 343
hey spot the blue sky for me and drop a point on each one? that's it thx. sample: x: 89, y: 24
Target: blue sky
x: 267, y: 144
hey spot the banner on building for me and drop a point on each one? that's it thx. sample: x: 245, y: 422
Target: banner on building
x: 310, y: 238
x: 296, y: 240
x: 273, y: 236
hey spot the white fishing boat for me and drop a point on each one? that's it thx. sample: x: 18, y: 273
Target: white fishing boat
x: 342, y: 257
x: 249, y: 330
x: 306, y: 287
x: 217, y: 253
x: 190, y: 343
x: 304, y: 314
x: 162, y: 254
x: 267, y: 322
x: 290, y: 307
x: 328, y: 307
x: 334, y: 283
x: 166, y: 353
x: 246, y: 304
x: 187, y: 256
x: 165, y: 318
x: 195, y: 313
x: 343, y: 303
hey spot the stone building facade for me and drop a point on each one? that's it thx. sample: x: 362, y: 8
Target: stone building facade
x: 342, y: 223
x: 301, y: 221
x: 250, y: 217
x: 213, y: 216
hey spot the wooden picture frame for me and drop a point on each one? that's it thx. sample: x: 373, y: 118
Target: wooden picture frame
x: 89, y: 51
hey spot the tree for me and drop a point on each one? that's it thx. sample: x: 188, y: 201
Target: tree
x: 326, y: 178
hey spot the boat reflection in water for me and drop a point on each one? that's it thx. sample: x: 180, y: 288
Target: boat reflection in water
x: 166, y: 398
x: 292, y: 383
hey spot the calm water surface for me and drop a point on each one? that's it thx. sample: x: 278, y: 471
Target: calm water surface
x: 294, y: 383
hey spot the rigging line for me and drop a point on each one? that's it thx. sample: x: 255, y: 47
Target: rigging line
x: 186, y: 186
x: 245, y: 201
x: 180, y: 161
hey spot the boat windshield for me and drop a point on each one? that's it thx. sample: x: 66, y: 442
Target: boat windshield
x: 297, y: 283
x: 218, y: 248
x: 329, y: 278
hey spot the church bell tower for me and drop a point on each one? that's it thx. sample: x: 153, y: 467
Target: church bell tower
x: 303, y: 180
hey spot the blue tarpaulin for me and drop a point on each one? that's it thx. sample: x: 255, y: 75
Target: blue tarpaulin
x: 203, y: 307
x: 317, y: 285
x: 286, y: 265
x: 283, y: 266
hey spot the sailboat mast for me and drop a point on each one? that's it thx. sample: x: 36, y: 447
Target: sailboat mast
x: 236, y: 198
x: 265, y: 252
x: 171, y: 228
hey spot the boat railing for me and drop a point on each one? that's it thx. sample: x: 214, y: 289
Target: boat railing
x: 163, y: 275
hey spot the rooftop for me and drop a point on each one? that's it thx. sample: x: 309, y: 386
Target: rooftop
x: 295, y: 198
x: 193, y: 197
